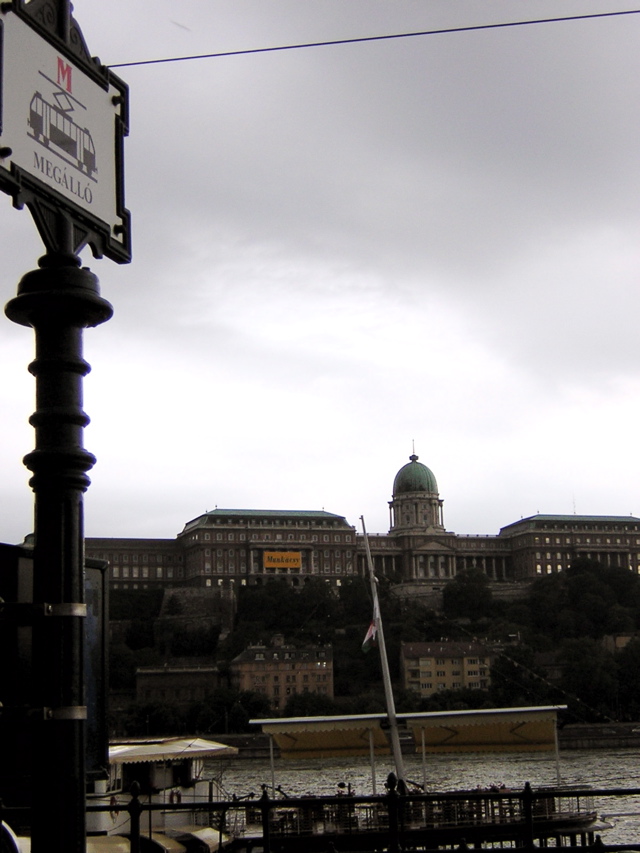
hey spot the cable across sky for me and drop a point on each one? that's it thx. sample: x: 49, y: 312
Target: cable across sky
x: 362, y: 39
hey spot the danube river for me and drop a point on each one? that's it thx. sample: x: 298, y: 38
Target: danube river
x: 589, y: 768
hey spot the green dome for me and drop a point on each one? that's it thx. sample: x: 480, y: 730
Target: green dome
x: 414, y: 477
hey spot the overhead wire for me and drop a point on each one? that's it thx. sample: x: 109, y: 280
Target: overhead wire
x: 533, y: 674
x: 363, y: 39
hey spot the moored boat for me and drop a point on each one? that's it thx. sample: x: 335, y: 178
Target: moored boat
x: 167, y: 771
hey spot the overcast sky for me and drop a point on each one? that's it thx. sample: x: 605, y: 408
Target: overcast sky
x: 341, y: 250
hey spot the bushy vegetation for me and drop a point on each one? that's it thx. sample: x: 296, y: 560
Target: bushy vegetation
x: 561, y: 621
x: 560, y: 626
x: 130, y: 604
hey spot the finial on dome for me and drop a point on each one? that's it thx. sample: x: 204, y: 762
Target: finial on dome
x: 413, y: 457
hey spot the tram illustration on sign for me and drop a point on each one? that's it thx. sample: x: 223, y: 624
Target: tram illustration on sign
x: 51, y: 125
x: 63, y: 121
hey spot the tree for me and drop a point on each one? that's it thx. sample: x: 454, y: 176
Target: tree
x: 140, y: 634
x: 229, y: 710
x: 590, y: 679
x: 468, y: 596
x: 354, y: 671
x: 123, y: 663
x: 309, y: 705
x: 129, y: 604
x: 628, y: 667
x: 456, y: 700
x: 587, y: 600
x: 355, y: 605
x: 304, y: 615
x: 516, y: 681
x: 154, y: 718
x: 174, y: 606
x: 199, y: 640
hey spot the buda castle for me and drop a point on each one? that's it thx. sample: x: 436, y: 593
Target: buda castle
x: 227, y: 548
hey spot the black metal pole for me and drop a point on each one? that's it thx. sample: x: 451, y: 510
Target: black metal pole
x: 527, y: 807
x: 135, y: 810
x: 58, y: 301
x: 392, y: 808
x: 265, y: 808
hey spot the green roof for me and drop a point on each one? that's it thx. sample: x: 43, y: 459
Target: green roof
x: 536, y: 520
x: 271, y: 513
x: 414, y: 477
x: 283, y: 514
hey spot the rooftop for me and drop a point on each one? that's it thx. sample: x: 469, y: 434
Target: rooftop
x: 284, y: 515
x: 443, y: 649
x: 540, y: 519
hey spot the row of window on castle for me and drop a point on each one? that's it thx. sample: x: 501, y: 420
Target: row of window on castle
x: 145, y: 572
x: 559, y: 555
x: 242, y: 552
x: 276, y: 537
x: 137, y: 558
x: 256, y: 569
x: 586, y: 540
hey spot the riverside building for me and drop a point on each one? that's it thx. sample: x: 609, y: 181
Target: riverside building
x: 282, y: 671
x: 428, y: 668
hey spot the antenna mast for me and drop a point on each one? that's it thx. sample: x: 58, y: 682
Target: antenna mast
x: 386, y: 677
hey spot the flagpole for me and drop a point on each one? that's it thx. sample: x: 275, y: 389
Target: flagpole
x: 386, y: 676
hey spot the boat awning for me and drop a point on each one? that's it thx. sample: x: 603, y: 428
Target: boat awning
x: 203, y: 839
x: 167, y: 749
x: 95, y: 844
x: 322, y: 737
x: 158, y: 842
x: 108, y: 844
x: 495, y: 730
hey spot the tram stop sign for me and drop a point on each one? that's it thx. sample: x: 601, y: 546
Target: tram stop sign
x: 63, y: 119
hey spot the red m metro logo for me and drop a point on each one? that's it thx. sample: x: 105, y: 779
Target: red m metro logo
x: 64, y: 74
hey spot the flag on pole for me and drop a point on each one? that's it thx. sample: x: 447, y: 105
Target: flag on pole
x: 370, y: 639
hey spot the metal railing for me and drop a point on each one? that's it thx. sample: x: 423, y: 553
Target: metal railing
x: 394, y: 821
x: 527, y: 819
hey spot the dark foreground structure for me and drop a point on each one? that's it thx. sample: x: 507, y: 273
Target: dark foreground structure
x: 564, y: 818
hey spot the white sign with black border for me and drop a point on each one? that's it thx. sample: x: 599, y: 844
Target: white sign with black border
x: 61, y: 130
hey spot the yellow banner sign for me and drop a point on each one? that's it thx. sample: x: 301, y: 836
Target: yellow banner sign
x: 282, y: 560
